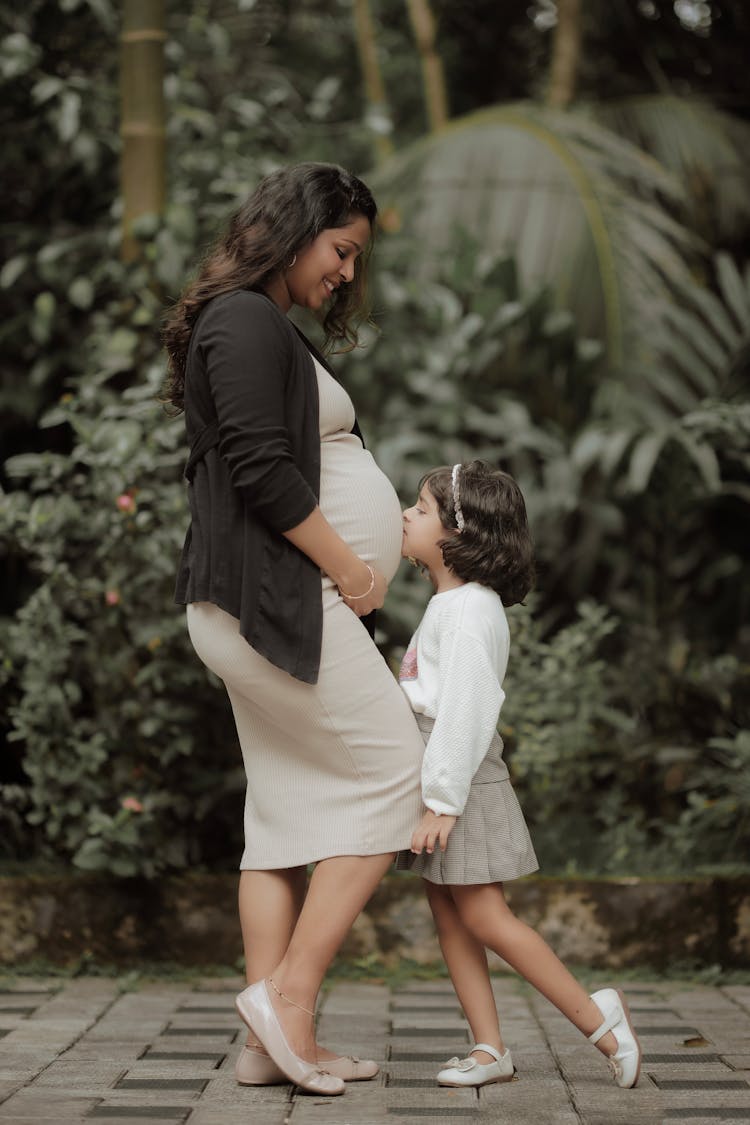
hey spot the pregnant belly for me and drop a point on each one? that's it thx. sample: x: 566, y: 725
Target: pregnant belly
x: 360, y: 502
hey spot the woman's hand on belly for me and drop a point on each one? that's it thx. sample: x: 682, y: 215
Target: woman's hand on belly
x: 362, y: 587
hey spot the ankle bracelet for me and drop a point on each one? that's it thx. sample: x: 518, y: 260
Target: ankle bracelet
x: 283, y: 996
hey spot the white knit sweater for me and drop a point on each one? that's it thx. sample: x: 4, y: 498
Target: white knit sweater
x: 452, y: 672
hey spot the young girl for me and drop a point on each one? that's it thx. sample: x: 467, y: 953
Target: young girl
x: 468, y: 530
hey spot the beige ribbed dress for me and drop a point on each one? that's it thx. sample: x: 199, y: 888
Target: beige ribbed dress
x: 333, y: 768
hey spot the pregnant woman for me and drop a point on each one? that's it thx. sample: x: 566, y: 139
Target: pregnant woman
x: 294, y: 535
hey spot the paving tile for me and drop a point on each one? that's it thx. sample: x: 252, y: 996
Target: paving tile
x: 85, y: 1052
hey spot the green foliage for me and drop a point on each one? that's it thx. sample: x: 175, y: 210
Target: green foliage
x: 716, y: 822
x: 127, y: 750
x: 701, y: 145
x: 242, y: 96
x: 627, y: 689
x: 569, y: 735
x: 583, y: 211
x: 470, y: 364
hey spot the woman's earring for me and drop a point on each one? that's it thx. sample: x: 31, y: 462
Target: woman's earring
x: 412, y: 560
x: 294, y: 259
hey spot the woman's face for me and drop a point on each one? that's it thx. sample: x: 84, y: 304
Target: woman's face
x: 322, y: 266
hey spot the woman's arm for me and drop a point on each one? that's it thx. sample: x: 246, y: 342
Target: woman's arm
x: 317, y: 539
x: 247, y: 351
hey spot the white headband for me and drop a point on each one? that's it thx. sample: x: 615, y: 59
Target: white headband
x: 457, y: 497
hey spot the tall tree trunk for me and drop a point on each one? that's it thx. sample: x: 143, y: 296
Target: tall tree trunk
x: 566, y: 51
x: 143, y: 164
x: 433, y: 75
x: 377, y: 106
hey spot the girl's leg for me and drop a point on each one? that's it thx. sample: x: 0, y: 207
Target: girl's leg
x: 466, y: 960
x: 486, y: 915
x: 270, y: 903
x: 339, y: 888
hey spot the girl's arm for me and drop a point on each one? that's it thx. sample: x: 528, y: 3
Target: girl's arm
x: 470, y: 698
x: 432, y: 830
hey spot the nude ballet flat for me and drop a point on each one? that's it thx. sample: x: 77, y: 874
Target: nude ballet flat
x: 255, y: 1009
x: 253, y: 1068
x: 351, y: 1068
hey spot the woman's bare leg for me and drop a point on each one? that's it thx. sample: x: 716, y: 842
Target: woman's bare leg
x: 487, y: 916
x: 270, y: 903
x: 338, y: 889
x: 466, y: 960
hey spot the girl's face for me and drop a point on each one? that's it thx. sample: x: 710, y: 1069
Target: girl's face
x: 322, y: 266
x: 423, y: 531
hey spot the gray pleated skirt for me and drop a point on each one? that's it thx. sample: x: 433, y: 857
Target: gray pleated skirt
x: 490, y: 842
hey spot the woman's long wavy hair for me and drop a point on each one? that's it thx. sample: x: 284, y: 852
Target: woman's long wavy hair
x: 495, y: 546
x: 285, y: 213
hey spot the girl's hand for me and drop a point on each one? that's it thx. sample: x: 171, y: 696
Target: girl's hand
x: 432, y: 828
x: 372, y: 599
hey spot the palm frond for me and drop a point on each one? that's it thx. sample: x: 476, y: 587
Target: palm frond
x: 703, y: 147
x: 583, y: 211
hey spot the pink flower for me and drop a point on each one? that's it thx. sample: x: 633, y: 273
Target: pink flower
x: 125, y: 502
x: 112, y: 597
x: 132, y: 804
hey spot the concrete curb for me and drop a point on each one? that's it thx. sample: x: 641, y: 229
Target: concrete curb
x: 192, y: 920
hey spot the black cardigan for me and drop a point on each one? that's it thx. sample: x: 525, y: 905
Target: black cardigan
x: 249, y: 369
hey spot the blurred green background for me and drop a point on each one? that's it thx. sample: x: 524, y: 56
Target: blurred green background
x: 561, y: 285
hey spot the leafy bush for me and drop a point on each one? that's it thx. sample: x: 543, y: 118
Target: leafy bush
x: 128, y: 753
x: 623, y: 728
x: 635, y: 505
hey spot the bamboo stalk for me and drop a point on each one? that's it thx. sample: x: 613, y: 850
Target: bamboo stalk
x: 433, y: 74
x: 143, y: 126
x: 377, y: 104
x: 566, y: 51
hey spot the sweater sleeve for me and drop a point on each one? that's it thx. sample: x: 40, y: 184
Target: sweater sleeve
x: 248, y: 356
x: 470, y: 698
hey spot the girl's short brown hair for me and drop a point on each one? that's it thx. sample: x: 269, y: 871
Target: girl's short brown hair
x: 495, y: 546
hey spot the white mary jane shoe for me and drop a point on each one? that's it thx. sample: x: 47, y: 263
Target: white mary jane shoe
x: 469, y: 1072
x: 625, y: 1063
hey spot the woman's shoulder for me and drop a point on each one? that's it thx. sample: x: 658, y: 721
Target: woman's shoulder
x: 247, y: 304
x: 245, y: 318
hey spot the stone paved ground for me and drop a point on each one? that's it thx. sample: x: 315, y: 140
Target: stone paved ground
x: 83, y: 1051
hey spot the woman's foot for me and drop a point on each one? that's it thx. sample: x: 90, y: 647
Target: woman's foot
x: 297, y: 1020
x: 254, y: 1066
x: 471, y: 1071
x: 625, y: 1058
x: 283, y: 1041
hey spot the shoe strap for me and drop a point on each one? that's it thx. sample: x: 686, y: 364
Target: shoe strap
x: 486, y: 1047
x: 609, y: 1023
